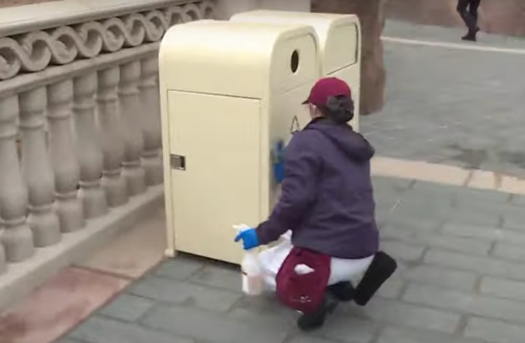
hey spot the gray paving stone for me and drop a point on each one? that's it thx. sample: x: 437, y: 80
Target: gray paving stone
x: 465, y: 303
x: 403, y: 251
x: 509, y: 251
x: 178, y: 292
x: 483, y: 198
x: 503, y: 288
x: 422, y: 210
x: 425, y: 200
x: 443, y: 277
x: 219, y: 276
x: 436, y: 189
x: 402, y: 335
x: 414, y: 224
x: 392, y: 288
x: 429, y: 199
x: 416, y: 212
x: 280, y: 320
x: 206, y: 326
x: 400, y: 313
x: 68, y: 340
x: 500, y: 209
x: 391, y: 183
x: 438, y: 240
x: 477, y: 264
x: 473, y: 217
x: 480, y: 232
x: 515, y: 222
x: 494, y: 331
x: 179, y: 268
x: 265, y: 308
x: 384, y: 204
x: 105, y: 330
x: 348, y: 329
x: 518, y: 199
x: 127, y: 307
x: 268, y: 311
x: 309, y: 339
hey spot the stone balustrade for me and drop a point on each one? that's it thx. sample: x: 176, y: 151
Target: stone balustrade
x: 79, y: 116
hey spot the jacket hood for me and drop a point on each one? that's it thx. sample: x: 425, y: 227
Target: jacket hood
x: 351, y: 143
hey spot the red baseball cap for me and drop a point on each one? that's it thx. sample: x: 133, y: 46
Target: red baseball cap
x: 326, y: 88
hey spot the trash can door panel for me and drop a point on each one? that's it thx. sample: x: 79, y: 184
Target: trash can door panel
x: 218, y: 137
x: 342, y: 47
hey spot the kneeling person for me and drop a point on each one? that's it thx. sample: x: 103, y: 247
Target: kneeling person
x: 328, y: 205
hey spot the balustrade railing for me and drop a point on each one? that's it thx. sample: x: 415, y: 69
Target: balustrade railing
x: 79, y: 115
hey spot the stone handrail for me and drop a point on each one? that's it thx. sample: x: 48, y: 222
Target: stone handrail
x: 79, y: 114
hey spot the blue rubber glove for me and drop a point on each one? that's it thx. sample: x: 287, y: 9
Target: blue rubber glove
x: 278, y: 162
x: 249, y: 239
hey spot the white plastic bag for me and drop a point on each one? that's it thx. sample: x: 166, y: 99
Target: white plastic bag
x: 271, y: 260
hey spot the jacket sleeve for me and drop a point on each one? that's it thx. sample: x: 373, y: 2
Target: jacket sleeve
x: 299, y: 188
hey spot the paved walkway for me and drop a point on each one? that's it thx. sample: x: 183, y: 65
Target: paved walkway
x: 450, y: 105
x: 461, y: 280
x: 462, y: 263
x: 400, y: 29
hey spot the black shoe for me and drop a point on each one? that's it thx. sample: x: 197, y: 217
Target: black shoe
x: 312, y: 321
x: 469, y: 37
x: 343, y: 291
x: 380, y: 270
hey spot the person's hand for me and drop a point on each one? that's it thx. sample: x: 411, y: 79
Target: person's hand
x: 249, y: 239
x: 278, y: 162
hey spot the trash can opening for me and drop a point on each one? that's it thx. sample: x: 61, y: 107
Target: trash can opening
x: 294, y: 61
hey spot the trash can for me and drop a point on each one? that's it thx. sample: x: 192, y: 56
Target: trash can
x: 229, y: 92
x: 339, y: 42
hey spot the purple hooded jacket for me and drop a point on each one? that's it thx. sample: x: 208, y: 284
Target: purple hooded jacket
x: 327, y: 196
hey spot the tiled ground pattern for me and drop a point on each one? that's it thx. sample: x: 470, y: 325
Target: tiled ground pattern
x: 451, y: 106
x: 461, y: 280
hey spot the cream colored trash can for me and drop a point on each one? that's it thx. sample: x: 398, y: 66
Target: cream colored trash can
x: 229, y: 91
x: 339, y: 41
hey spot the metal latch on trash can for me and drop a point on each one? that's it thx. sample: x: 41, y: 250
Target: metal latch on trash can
x: 178, y: 162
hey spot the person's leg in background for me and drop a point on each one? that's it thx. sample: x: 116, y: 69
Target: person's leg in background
x: 473, y: 11
x: 468, y: 10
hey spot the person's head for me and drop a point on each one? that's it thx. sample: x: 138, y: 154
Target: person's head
x: 331, y: 98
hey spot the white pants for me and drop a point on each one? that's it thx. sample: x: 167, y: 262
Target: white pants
x: 341, y: 269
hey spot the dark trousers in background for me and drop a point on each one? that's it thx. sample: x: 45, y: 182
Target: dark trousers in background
x: 468, y: 10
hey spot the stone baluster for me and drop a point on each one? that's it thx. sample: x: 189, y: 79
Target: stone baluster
x: 130, y: 112
x: 63, y: 156
x: 3, y: 262
x: 17, y: 237
x: 151, y: 128
x: 37, y: 170
x: 112, y: 137
x: 89, y: 150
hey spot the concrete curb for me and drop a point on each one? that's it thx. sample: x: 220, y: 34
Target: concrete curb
x: 447, y: 175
